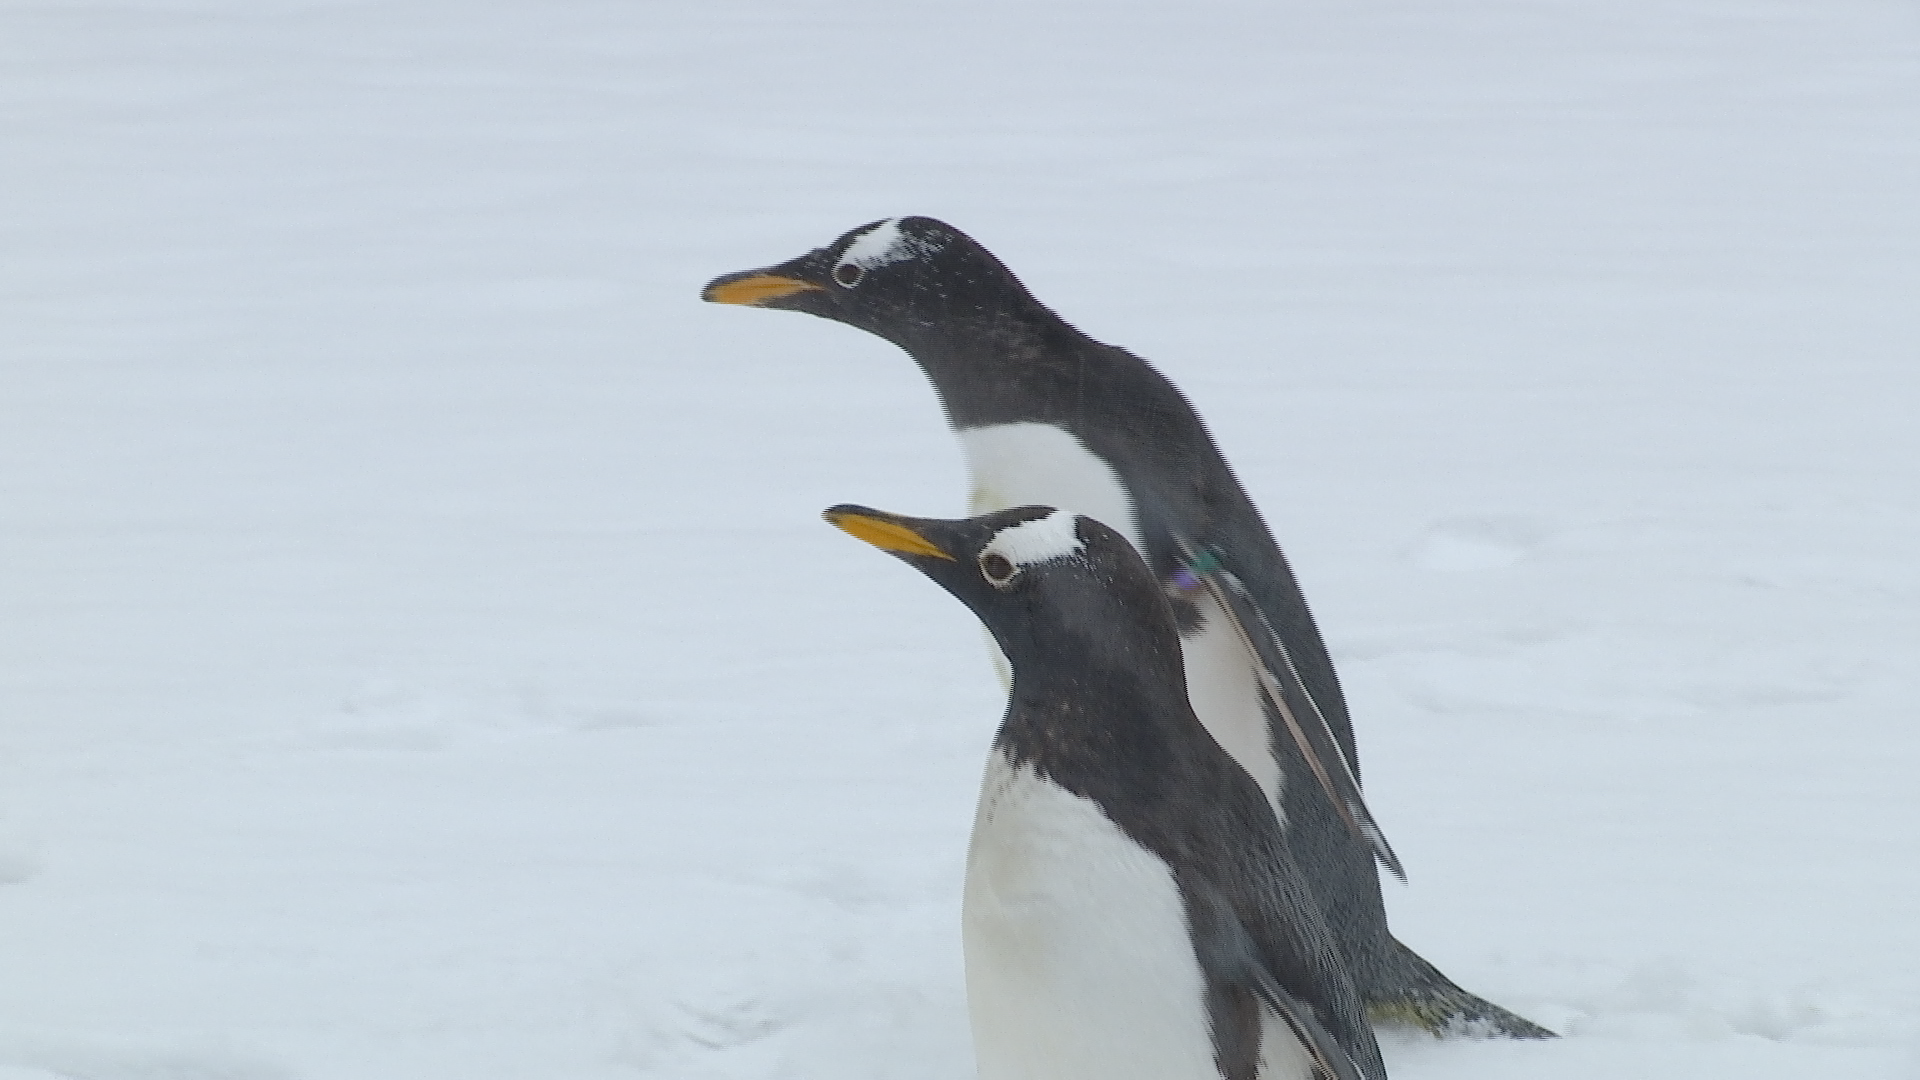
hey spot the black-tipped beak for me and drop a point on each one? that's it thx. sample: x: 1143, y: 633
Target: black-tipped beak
x: 756, y: 288
x: 889, y: 532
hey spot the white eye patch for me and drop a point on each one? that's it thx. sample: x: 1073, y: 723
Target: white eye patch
x: 1040, y: 540
x: 879, y: 246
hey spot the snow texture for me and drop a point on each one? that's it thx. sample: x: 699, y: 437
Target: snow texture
x: 421, y: 655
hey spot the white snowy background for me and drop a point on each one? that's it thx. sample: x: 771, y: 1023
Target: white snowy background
x: 421, y: 656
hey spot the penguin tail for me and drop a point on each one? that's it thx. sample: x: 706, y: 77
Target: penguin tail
x: 1423, y: 998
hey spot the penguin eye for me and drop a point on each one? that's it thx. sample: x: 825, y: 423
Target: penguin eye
x: 848, y: 274
x: 996, y: 568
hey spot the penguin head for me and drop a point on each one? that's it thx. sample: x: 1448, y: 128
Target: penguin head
x: 899, y: 278
x: 1059, y: 592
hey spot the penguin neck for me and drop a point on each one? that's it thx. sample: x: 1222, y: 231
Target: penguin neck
x: 1019, y: 364
x: 1111, y: 681
x: 1098, y: 722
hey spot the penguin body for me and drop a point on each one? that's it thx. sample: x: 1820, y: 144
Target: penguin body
x: 1130, y: 912
x: 1046, y: 415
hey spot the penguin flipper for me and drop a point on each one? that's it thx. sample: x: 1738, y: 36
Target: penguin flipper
x: 1288, y: 698
x: 1330, y: 1060
x: 1272, y: 943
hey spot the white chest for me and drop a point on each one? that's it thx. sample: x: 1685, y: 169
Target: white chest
x: 1042, y: 465
x: 1079, y: 965
x: 1039, y: 464
x: 1079, y: 961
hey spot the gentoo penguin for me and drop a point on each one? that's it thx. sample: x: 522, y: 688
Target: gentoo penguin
x: 1131, y: 912
x: 1046, y: 415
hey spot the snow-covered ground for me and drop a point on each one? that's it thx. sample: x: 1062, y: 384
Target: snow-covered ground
x: 420, y: 654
